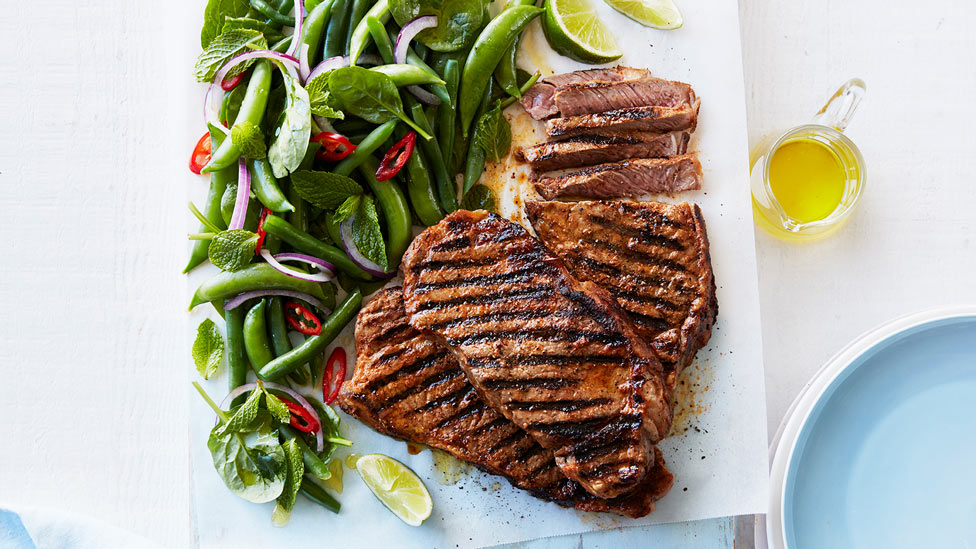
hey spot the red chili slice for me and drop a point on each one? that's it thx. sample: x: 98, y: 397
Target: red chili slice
x: 334, y: 146
x: 261, y: 232
x: 228, y: 84
x: 301, y: 319
x: 301, y: 419
x: 333, y: 375
x: 395, y: 158
x: 201, y: 154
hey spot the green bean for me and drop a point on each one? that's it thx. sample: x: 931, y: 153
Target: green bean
x: 352, y: 125
x: 259, y: 276
x: 475, y: 164
x: 440, y: 90
x: 307, y: 243
x: 335, y: 34
x: 315, y: 28
x: 298, y: 356
x: 506, y: 73
x: 285, y: 6
x: 229, y: 199
x: 420, y: 189
x: 277, y: 327
x: 365, y: 148
x: 446, y: 186
x: 236, y: 362
x: 359, y: 38
x: 281, y: 46
x: 256, y: 343
x: 252, y: 110
x: 313, y: 464
x: 299, y: 217
x: 299, y: 375
x: 395, y: 211
x: 332, y: 228
x: 356, y: 16
x: 211, y: 209
x: 408, y: 75
x: 317, y: 494
x: 448, y: 112
x: 265, y: 187
x: 271, y: 13
x: 382, y: 40
x: 230, y: 107
x: 484, y: 56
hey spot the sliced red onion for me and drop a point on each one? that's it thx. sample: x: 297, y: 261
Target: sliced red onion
x: 236, y: 301
x: 303, y: 69
x: 297, y: 397
x: 328, y: 65
x: 215, y: 94
x: 357, y: 257
x: 423, y: 95
x: 322, y: 264
x: 408, y: 32
x: 243, y: 197
x: 296, y: 38
x: 314, y: 277
x: 323, y: 123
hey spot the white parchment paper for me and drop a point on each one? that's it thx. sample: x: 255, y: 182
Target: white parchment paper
x: 717, y: 451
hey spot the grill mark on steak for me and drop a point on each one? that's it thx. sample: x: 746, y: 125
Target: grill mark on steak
x: 493, y: 317
x: 557, y: 405
x: 428, y: 384
x: 524, y: 383
x: 404, y: 371
x: 474, y: 407
x: 644, y: 259
x: 450, y: 398
x: 540, y: 334
x: 658, y: 302
x: 645, y: 235
x: 522, y: 275
x: 570, y: 429
x: 452, y: 245
x: 516, y: 435
x: 489, y: 299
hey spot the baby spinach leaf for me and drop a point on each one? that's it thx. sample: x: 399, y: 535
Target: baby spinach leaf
x: 320, y: 98
x: 293, y: 480
x: 208, y: 349
x: 244, y: 415
x: 224, y: 48
x: 366, y: 232
x: 291, y: 139
x: 277, y: 408
x: 249, y: 138
x: 458, y: 21
x: 214, y: 15
x: 346, y: 209
x: 251, y: 462
x: 325, y: 190
x: 479, y: 197
x: 494, y: 134
x: 232, y: 250
x: 370, y: 95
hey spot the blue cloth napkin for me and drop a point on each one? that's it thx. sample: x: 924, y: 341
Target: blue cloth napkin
x: 30, y: 528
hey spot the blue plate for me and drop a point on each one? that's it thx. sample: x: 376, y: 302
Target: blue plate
x: 886, y: 458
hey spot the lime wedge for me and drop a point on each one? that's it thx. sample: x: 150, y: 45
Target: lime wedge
x: 574, y: 30
x: 397, y: 487
x: 658, y: 14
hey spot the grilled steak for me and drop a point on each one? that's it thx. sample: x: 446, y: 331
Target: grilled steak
x: 652, y: 257
x: 555, y: 355
x: 591, y: 97
x: 600, y: 147
x: 403, y: 386
x: 629, y: 178
x: 539, y: 100
x: 651, y: 118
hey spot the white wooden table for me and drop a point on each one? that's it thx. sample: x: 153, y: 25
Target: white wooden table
x: 92, y: 394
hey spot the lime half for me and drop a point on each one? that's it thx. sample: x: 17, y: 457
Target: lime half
x: 399, y: 488
x: 573, y: 29
x: 658, y: 14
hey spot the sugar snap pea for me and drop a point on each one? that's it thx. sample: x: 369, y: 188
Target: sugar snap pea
x: 252, y: 110
x: 408, y: 75
x: 420, y: 188
x: 446, y: 188
x: 277, y: 327
x: 258, y: 276
x: 298, y: 356
x: 307, y: 243
x: 475, y: 164
x: 382, y: 40
x: 256, y: 343
x: 335, y: 34
x: 314, y: 30
x: 211, y: 209
x: 506, y: 73
x: 395, y: 212
x: 313, y: 464
x: 484, y: 56
x: 437, y: 89
x: 359, y: 38
x: 447, y: 113
x: 271, y: 13
x: 356, y: 16
x: 365, y: 148
x: 236, y: 361
x: 317, y: 494
x: 265, y: 187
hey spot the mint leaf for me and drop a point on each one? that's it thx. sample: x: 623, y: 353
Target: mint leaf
x: 270, y: 33
x: 366, y: 232
x: 214, y: 15
x: 325, y: 190
x: 293, y: 480
x: 320, y: 98
x: 224, y: 48
x: 291, y: 140
x: 208, y: 348
x: 243, y: 416
x: 278, y: 409
x: 232, y: 250
x: 346, y: 209
x: 494, y: 134
x: 479, y: 197
x: 249, y: 138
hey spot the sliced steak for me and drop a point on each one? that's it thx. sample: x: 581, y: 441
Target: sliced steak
x: 652, y: 257
x: 403, y: 386
x: 630, y: 178
x: 601, y: 147
x: 555, y: 355
x: 539, y: 101
x: 578, y: 98
x: 637, y: 119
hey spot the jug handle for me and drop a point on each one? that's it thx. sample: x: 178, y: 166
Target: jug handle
x: 839, y: 110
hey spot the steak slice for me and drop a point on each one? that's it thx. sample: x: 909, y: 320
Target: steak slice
x: 539, y: 100
x: 555, y: 355
x: 652, y: 257
x: 600, y: 147
x: 651, y: 118
x: 629, y: 178
x: 579, y: 98
x: 398, y: 388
